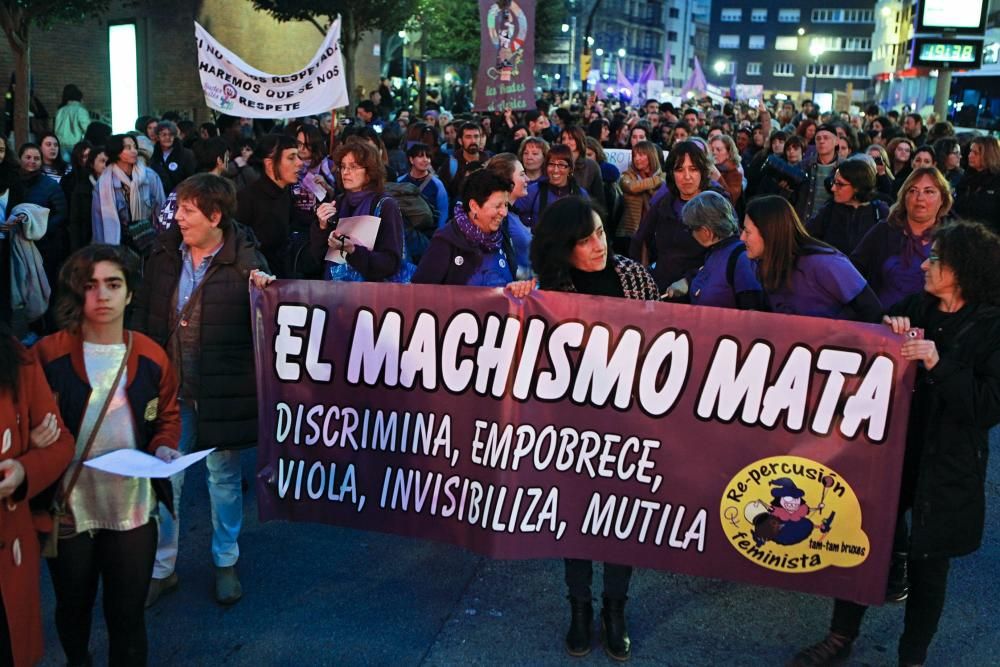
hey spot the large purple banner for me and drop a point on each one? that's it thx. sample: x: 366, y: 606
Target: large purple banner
x: 746, y: 446
x: 506, y: 56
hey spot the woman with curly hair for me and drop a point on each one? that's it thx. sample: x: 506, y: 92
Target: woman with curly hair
x: 954, y: 334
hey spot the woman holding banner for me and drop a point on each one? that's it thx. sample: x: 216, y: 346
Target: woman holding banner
x: 570, y: 253
x: 727, y: 278
x: 799, y: 274
x: 953, y: 331
x: 476, y: 246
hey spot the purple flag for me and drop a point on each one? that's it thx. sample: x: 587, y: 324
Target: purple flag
x: 696, y: 82
x: 647, y: 74
x: 623, y: 81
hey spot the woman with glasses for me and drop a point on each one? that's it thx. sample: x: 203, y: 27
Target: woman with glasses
x: 952, y: 330
x: 852, y: 211
x: 890, y: 254
x: 558, y: 182
x: 362, y: 175
x: 883, y: 173
x: 315, y: 185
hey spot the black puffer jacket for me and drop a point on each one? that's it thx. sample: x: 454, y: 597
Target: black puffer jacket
x: 977, y: 198
x: 227, y: 387
x: 843, y: 226
x: 954, y: 406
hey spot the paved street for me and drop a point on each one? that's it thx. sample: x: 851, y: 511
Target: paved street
x: 316, y: 595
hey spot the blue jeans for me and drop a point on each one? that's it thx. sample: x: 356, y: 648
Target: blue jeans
x: 225, y: 490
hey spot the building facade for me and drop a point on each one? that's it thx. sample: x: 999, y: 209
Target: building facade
x: 975, y: 93
x: 792, y: 48
x: 633, y: 33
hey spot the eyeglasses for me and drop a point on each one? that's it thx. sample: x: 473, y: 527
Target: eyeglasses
x: 559, y: 165
x: 933, y: 259
x: 840, y: 184
x: 351, y: 167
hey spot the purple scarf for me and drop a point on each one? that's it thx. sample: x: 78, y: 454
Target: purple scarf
x: 486, y: 242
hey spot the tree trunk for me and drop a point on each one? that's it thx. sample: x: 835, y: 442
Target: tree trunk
x: 22, y: 93
x: 16, y: 28
x: 349, y: 40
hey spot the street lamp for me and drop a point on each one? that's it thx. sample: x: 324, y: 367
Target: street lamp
x: 622, y: 53
x: 599, y: 52
x: 719, y: 67
x: 816, y: 50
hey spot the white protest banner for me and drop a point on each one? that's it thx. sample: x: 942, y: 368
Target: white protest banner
x: 622, y: 157
x: 237, y: 89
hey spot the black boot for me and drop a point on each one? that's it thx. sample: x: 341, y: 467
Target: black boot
x: 898, y: 587
x: 614, y: 634
x: 581, y: 622
x: 834, y: 650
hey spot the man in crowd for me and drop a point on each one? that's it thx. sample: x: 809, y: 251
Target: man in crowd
x: 913, y: 128
x: 469, y: 157
x: 367, y: 114
x: 819, y: 170
x: 537, y: 122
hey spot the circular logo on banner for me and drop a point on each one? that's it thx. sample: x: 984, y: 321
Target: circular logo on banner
x: 790, y: 514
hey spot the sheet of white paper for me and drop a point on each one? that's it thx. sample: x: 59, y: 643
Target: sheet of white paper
x: 133, y: 463
x: 318, y: 190
x: 362, y: 228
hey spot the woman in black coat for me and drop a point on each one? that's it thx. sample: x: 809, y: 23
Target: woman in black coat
x: 570, y: 253
x: 954, y: 334
x: 977, y: 196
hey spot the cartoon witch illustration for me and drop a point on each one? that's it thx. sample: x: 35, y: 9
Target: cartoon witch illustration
x: 785, y: 521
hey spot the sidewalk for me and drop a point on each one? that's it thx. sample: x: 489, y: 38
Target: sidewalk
x: 318, y: 595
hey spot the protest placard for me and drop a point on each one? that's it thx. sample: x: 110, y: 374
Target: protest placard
x: 237, y: 89
x: 748, y: 446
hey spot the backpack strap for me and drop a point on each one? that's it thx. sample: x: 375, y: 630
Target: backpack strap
x: 543, y: 198
x: 424, y: 183
x: 377, y: 210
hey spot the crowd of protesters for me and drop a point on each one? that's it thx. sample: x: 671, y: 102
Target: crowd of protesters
x: 129, y: 256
